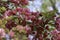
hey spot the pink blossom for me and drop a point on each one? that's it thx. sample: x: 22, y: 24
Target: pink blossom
x: 11, y: 33
x: 28, y: 29
x: 7, y: 13
x: 54, y: 32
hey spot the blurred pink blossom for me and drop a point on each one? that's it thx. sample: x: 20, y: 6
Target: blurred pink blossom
x: 11, y: 33
x: 7, y: 13
x: 20, y: 28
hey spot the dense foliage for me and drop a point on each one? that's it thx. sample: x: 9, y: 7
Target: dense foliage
x: 17, y: 22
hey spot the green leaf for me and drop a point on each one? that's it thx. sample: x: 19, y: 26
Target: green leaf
x: 24, y: 37
x: 44, y: 8
x: 47, y: 2
x: 1, y: 22
x: 4, y: 0
x: 48, y: 15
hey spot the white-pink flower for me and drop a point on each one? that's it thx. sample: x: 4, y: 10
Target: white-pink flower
x: 2, y: 32
x: 55, y: 34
